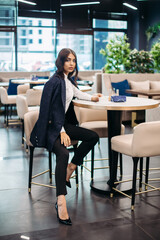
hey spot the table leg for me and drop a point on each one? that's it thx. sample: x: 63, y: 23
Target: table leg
x: 114, y: 129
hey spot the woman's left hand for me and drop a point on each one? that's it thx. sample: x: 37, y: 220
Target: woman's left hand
x: 95, y: 97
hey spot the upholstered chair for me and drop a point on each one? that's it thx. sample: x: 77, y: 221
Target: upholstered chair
x: 95, y: 120
x: 22, y: 89
x: 8, y: 102
x: 144, y: 142
x: 30, y: 119
x: 22, y: 108
x: 33, y: 97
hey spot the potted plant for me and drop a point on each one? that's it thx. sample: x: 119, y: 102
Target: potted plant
x: 116, y: 52
x: 155, y: 51
x: 140, y: 62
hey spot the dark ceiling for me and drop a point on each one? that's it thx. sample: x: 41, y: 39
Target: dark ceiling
x: 105, y: 5
x: 53, y: 5
x: 78, y: 16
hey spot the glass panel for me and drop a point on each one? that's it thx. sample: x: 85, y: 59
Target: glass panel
x: 117, y: 24
x: 81, y: 44
x: 100, y: 41
x: 7, y: 51
x: 36, y: 45
x: 44, y: 22
x: 7, y: 15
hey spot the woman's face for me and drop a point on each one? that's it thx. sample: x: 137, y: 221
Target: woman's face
x: 69, y: 64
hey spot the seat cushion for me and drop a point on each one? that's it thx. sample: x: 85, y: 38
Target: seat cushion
x: 11, y: 99
x: 143, y: 85
x: 122, y: 144
x: 122, y: 87
x: 100, y: 127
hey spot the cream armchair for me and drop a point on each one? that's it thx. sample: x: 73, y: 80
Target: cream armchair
x: 144, y: 142
x: 22, y: 108
x: 8, y: 101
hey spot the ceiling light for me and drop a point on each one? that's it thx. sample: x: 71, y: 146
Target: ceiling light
x: 27, y: 2
x: 79, y: 4
x: 130, y: 6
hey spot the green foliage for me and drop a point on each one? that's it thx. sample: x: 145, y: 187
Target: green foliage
x: 152, y: 31
x: 155, y: 51
x: 140, y: 62
x: 116, y: 52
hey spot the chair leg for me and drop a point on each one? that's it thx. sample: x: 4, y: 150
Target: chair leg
x: 92, y: 163
x: 99, y: 143
x: 6, y: 115
x: 113, y: 168
x: 140, y: 174
x: 30, y: 167
x: 121, y: 164
x: 76, y: 170
x: 147, y: 171
x: 50, y: 166
x: 22, y: 132
x: 135, y: 163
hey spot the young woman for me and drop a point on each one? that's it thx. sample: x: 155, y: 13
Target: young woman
x: 57, y: 125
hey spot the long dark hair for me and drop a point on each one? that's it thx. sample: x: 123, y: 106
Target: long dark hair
x: 62, y: 57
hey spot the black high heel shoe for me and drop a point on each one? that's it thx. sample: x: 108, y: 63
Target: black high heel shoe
x: 66, y: 221
x: 68, y: 184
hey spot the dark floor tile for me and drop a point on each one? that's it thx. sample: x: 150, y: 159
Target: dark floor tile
x: 107, y: 229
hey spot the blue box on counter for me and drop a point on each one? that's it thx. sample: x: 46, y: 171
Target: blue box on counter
x: 118, y: 98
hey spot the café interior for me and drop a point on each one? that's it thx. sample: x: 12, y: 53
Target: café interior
x: 115, y: 193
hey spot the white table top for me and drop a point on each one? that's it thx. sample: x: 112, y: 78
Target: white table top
x: 4, y: 84
x: 82, y: 88
x: 132, y: 103
x: 23, y: 81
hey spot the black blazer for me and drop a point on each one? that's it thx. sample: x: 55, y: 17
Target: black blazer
x: 52, y: 113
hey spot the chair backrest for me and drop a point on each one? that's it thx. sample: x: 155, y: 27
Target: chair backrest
x: 90, y: 115
x: 33, y: 97
x: 30, y: 119
x: 12, y: 88
x: 22, y: 106
x: 22, y: 88
x: 4, y: 95
x: 146, y: 139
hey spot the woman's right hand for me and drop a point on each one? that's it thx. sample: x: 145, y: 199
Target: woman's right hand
x: 65, y: 139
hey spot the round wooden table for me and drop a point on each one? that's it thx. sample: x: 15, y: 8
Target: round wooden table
x: 114, y: 114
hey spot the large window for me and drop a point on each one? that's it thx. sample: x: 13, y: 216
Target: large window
x: 7, y: 36
x: 7, y: 51
x: 38, y: 42
x: 36, y: 52
x: 81, y: 44
x: 104, y: 30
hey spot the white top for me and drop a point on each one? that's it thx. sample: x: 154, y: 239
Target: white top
x: 72, y: 91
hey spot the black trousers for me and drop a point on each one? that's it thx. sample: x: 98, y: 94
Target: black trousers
x: 89, y: 139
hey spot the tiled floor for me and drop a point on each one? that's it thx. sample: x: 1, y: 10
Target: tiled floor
x: 94, y: 216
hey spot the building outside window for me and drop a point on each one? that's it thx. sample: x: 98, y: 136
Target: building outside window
x: 30, y: 41
x: 30, y: 31
x: 40, y: 41
x: 74, y: 41
x: 23, y: 32
x: 7, y: 37
x: 39, y: 53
